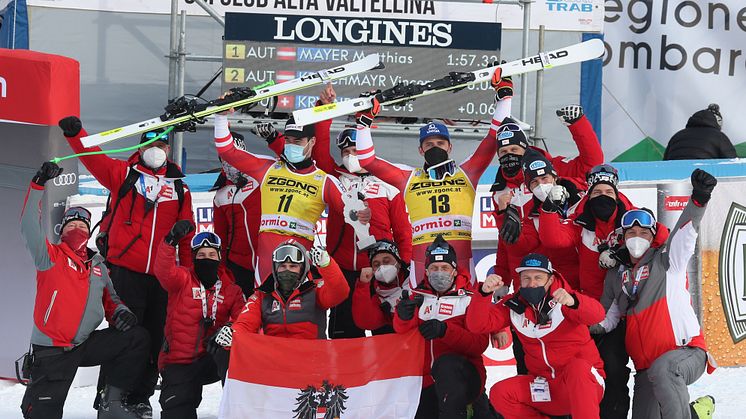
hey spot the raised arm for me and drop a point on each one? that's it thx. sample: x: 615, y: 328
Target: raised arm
x: 321, y: 153
x: 31, y: 228
x: 169, y: 275
x: 334, y: 288
x: 108, y: 171
x: 590, y: 153
x: 401, y: 227
x: 484, y: 317
x: 475, y: 165
x: 185, y: 244
x: 244, y: 161
x: 395, y: 175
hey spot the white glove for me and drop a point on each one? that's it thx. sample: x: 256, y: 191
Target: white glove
x: 266, y: 130
x: 570, y: 114
x: 224, y: 337
x: 558, y: 194
x: 320, y: 257
x: 606, y: 259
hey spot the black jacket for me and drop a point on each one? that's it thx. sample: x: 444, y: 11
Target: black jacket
x: 701, y: 139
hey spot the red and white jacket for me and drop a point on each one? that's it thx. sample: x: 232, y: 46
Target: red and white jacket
x: 236, y: 217
x: 368, y: 297
x: 136, y: 229
x: 184, y: 332
x: 449, y: 308
x: 551, y: 346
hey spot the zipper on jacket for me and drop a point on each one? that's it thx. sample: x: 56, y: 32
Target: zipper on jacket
x: 544, y: 354
x: 49, y: 309
x: 152, y: 234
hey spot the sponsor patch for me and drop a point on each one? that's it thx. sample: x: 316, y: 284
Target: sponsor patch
x: 196, y: 293
x: 275, y: 306
x: 294, y: 304
x: 538, y: 164
x: 445, y: 309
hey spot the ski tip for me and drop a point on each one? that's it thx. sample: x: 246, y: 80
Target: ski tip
x: 380, y: 66
x: 596, y: 46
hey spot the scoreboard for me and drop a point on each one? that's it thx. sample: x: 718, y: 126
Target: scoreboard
x: 412, y: 51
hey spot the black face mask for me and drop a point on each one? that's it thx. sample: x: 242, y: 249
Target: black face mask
x: 602, y: 207
x: 510, y: 163
x: 533, y: 295
x: 287, y: 281
x: 207, y: 271
x: 435, y: 155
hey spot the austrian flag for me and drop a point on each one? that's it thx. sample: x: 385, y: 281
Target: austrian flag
x: 273, y: 377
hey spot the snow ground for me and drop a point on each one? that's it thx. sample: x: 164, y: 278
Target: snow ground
x: 726, y: 385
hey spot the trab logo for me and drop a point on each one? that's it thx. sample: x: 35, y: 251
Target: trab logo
x: 584, y: 6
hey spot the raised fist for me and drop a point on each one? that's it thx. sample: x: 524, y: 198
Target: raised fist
x: 71, y: 126
x: 366, y: 275
x: 320, y: 257
x: 366, y: 118
x: 180, y: 229
x: 328, y: 95
x: 265, y: 130
x: 48, y: 170
x: 703, y: 184
x: 570, y: 114
x: 503, y: 85
x: 492, y: 283
x: 561, y: 296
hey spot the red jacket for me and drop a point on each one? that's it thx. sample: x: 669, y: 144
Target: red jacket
x: 303, y: 315
x: 451, y: 309
x: 368, y: 297
x: 548, y: 347
x: 184, y: 331
x: 389, y: 218
x: 235, y: 219
x: 574, y: 169
x: 72, y: 295
x: 135, y: 232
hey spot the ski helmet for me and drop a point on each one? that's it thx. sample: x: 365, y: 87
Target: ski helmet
x: 206, y: 239
x: 291, y: 251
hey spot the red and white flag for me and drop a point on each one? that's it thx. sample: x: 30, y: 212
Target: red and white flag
x: 364, y: 378
x: 286, y: 53
x: 283, y: 76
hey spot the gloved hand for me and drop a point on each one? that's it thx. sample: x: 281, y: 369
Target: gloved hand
x: 570, y: 114
x: 556, y: 199
x: 124, y: 319
x: 607, y: 259
x: 48, y: 170
x: 266, y: 130
x: 433, y: 329
x: 597, y: 329
x: 385, y: 307
x: 511, y: 228
x: 180, y: 229
x: 222, y: 338
x: 503, y: 85
x: 71, y: 126
x: 366, y: 118
x: 702, y: 185
x: 406, y: 307
x: 320, y: 257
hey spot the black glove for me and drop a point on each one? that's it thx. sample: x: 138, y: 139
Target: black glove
x: 47, y: 171
x: 180, y: 229
x: 433, y: 329
x: 124, y: 319
x: 406, y: 307
x: 702, y: 185
x: 550, y: 206
x: 511, y: 228
x: 385, y: 307
x: 71, y: 126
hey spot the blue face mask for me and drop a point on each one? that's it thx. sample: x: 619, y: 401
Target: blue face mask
x: 294, y: 153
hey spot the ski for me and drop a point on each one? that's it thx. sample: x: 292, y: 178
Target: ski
x: 402, y: 92
x: 189, y: 112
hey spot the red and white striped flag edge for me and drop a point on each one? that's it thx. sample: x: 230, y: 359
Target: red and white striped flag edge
x: 286, y: 53
x: 272, y: 377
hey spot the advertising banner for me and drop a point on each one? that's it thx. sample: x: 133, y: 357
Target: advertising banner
x: 664, y: 61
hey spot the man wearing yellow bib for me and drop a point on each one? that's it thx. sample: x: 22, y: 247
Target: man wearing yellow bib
x: 294, y: 192
x: 440, y: 195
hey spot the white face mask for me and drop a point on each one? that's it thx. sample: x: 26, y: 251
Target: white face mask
x: 352, y: 163
x: 154, y: 158
x: 637, y: 246
x: 387, y: 273
x: 541, y: 191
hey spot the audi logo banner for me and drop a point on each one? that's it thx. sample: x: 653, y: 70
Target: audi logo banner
x: 66, y: 179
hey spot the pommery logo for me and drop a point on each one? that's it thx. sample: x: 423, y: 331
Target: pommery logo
x: 732, y: 270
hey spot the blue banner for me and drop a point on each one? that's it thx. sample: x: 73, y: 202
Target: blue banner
x: 590, y: 88
x: 14, y: 21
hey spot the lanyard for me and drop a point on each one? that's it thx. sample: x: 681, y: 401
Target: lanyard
x: 635, y: 282
x: 203, y: 294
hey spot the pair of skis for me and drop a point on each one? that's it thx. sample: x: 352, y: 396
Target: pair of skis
x: 185, y: 112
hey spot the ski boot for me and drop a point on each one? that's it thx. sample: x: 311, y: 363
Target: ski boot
x: 703, y: 407
x: 113, y: 405
x: 143, y: 410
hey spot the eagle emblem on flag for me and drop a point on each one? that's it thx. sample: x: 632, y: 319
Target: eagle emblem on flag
x: 325, y: 402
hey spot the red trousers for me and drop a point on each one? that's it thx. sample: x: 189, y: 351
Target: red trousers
x: 576, y: 391
x: 267, y: 243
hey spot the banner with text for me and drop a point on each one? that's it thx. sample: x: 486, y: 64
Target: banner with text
x: 664, y: 61
x: 560, y: 15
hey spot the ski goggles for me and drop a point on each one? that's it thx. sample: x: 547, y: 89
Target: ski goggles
x: 439, y: 171
x: 288, y: 252
x: 206, y: 239
x: 77, y: 213
x: 161, y: 135
x: 383, y: 247
x: 346, y: 138
x: 638, y: 217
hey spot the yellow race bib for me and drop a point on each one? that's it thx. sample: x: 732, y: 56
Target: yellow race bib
x: 439, y: 207
x: 292, y: 202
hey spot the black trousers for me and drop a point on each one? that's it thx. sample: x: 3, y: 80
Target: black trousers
x: 143, y: 294
x: 244, y: 277
x: 615, y: 403
x: 121, y: 356
x: 457, y: 385
x: 181, y: 387
x: 341, y: 324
